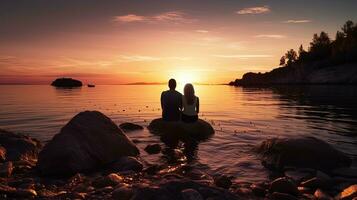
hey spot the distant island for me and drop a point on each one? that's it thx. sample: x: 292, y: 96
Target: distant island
x: 66, y: 82
x: 325, y: 62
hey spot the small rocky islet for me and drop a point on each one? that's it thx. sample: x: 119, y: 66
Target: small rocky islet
x: 92, y: 158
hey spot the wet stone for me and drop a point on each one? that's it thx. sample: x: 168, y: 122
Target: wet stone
x: 191, y: 194
x: 284, y: 185
x: 110, y: 180
x: 122, y: 193
x: 6, y: 169
x: 153, y: 148
x: 321, y: 195
x: 282, y: 196
x: 348, y: 194
x: 223, y: 181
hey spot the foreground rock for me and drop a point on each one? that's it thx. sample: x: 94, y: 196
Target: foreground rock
x: 88, y: 141
x: 15, y: 147
x: 66, y: 82
x: 199, y: 130
x: 127, y: 127
x: 308, y: 152
x: 348, y: 193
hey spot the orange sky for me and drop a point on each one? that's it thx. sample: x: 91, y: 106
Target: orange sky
x: 133, y: 43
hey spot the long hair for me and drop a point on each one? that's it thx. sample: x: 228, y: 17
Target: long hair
x: 189, y: 93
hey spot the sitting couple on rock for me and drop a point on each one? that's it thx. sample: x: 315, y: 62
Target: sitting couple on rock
x: 178, y: 107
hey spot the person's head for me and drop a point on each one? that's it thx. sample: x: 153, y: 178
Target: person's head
x: 172, y: 84
x: 189, y: 93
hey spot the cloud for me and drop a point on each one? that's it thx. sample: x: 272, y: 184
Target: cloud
x: 293, y: 21
x: 202, y: 31
x: 254, y: 10
x: 129, y: 18
x: 273, y: 36
x: 141, y: 58
x: 171, y: 16
x: 244, y: 56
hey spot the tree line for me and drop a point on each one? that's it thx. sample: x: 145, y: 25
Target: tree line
x: 341, y: 50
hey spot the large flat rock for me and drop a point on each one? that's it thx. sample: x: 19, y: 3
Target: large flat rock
x: 88, y: 141
x: 199, y: 130
x: 301, y: 151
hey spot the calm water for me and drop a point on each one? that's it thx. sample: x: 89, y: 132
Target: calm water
x: 242, y: 117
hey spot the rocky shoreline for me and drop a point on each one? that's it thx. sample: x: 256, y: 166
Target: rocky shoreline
x: 74, y: 166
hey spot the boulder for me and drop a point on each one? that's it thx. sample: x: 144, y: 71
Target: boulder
x: 199, y: 130
x: 308, y: 152
x: 18, y: 147
x: 127, y: 127
x: 88, y: 141
x: 66, y: 82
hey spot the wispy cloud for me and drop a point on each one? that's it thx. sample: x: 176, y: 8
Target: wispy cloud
x: 273, y: 36
x: 171, y: 16
x: 254, y: 10
x: 293, y: 21
x: 141, y: 58
x: 202, y: 31
x: 129, y: 18
x: 244, y: 56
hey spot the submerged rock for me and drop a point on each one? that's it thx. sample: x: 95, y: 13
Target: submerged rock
x: 306, y: 152
x: 199, y: 130
x: 66, y: 82
x: 127, y: 126
x: 18, y: 147
x: 88, y: 141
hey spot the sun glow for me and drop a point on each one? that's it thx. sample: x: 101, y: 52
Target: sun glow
x: 184, y: 77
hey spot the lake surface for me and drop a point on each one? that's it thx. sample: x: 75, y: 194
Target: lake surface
x: 242, y: 117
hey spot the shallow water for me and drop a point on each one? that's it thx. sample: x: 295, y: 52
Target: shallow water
x: 242, y: 117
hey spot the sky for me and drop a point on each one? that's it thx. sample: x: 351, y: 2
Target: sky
x: 118, y: 42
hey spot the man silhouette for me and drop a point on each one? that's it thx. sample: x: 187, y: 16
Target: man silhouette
x: 171, y: 103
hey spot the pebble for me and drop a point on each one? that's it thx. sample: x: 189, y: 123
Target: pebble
x: 110, y: 180
x: 2, y: 154
x: 321, y: 195
x: 348, y: 194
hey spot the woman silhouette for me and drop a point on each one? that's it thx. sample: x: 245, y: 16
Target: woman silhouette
x: 190, y: 104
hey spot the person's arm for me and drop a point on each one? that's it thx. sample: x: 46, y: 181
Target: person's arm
x: 198, y: 105
x: 161, y: 100
x: 181, y: 104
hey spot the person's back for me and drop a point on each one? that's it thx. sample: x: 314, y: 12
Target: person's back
x: 171, y: 103
x: 191, y: 105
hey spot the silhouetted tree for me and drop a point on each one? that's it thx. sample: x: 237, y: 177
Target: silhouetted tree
x: 291, y: 56
x: 320, y: 46
x: 342, y: 49
x: 282, y: 61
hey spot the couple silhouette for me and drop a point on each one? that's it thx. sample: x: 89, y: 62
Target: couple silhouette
x: 178, y: 107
